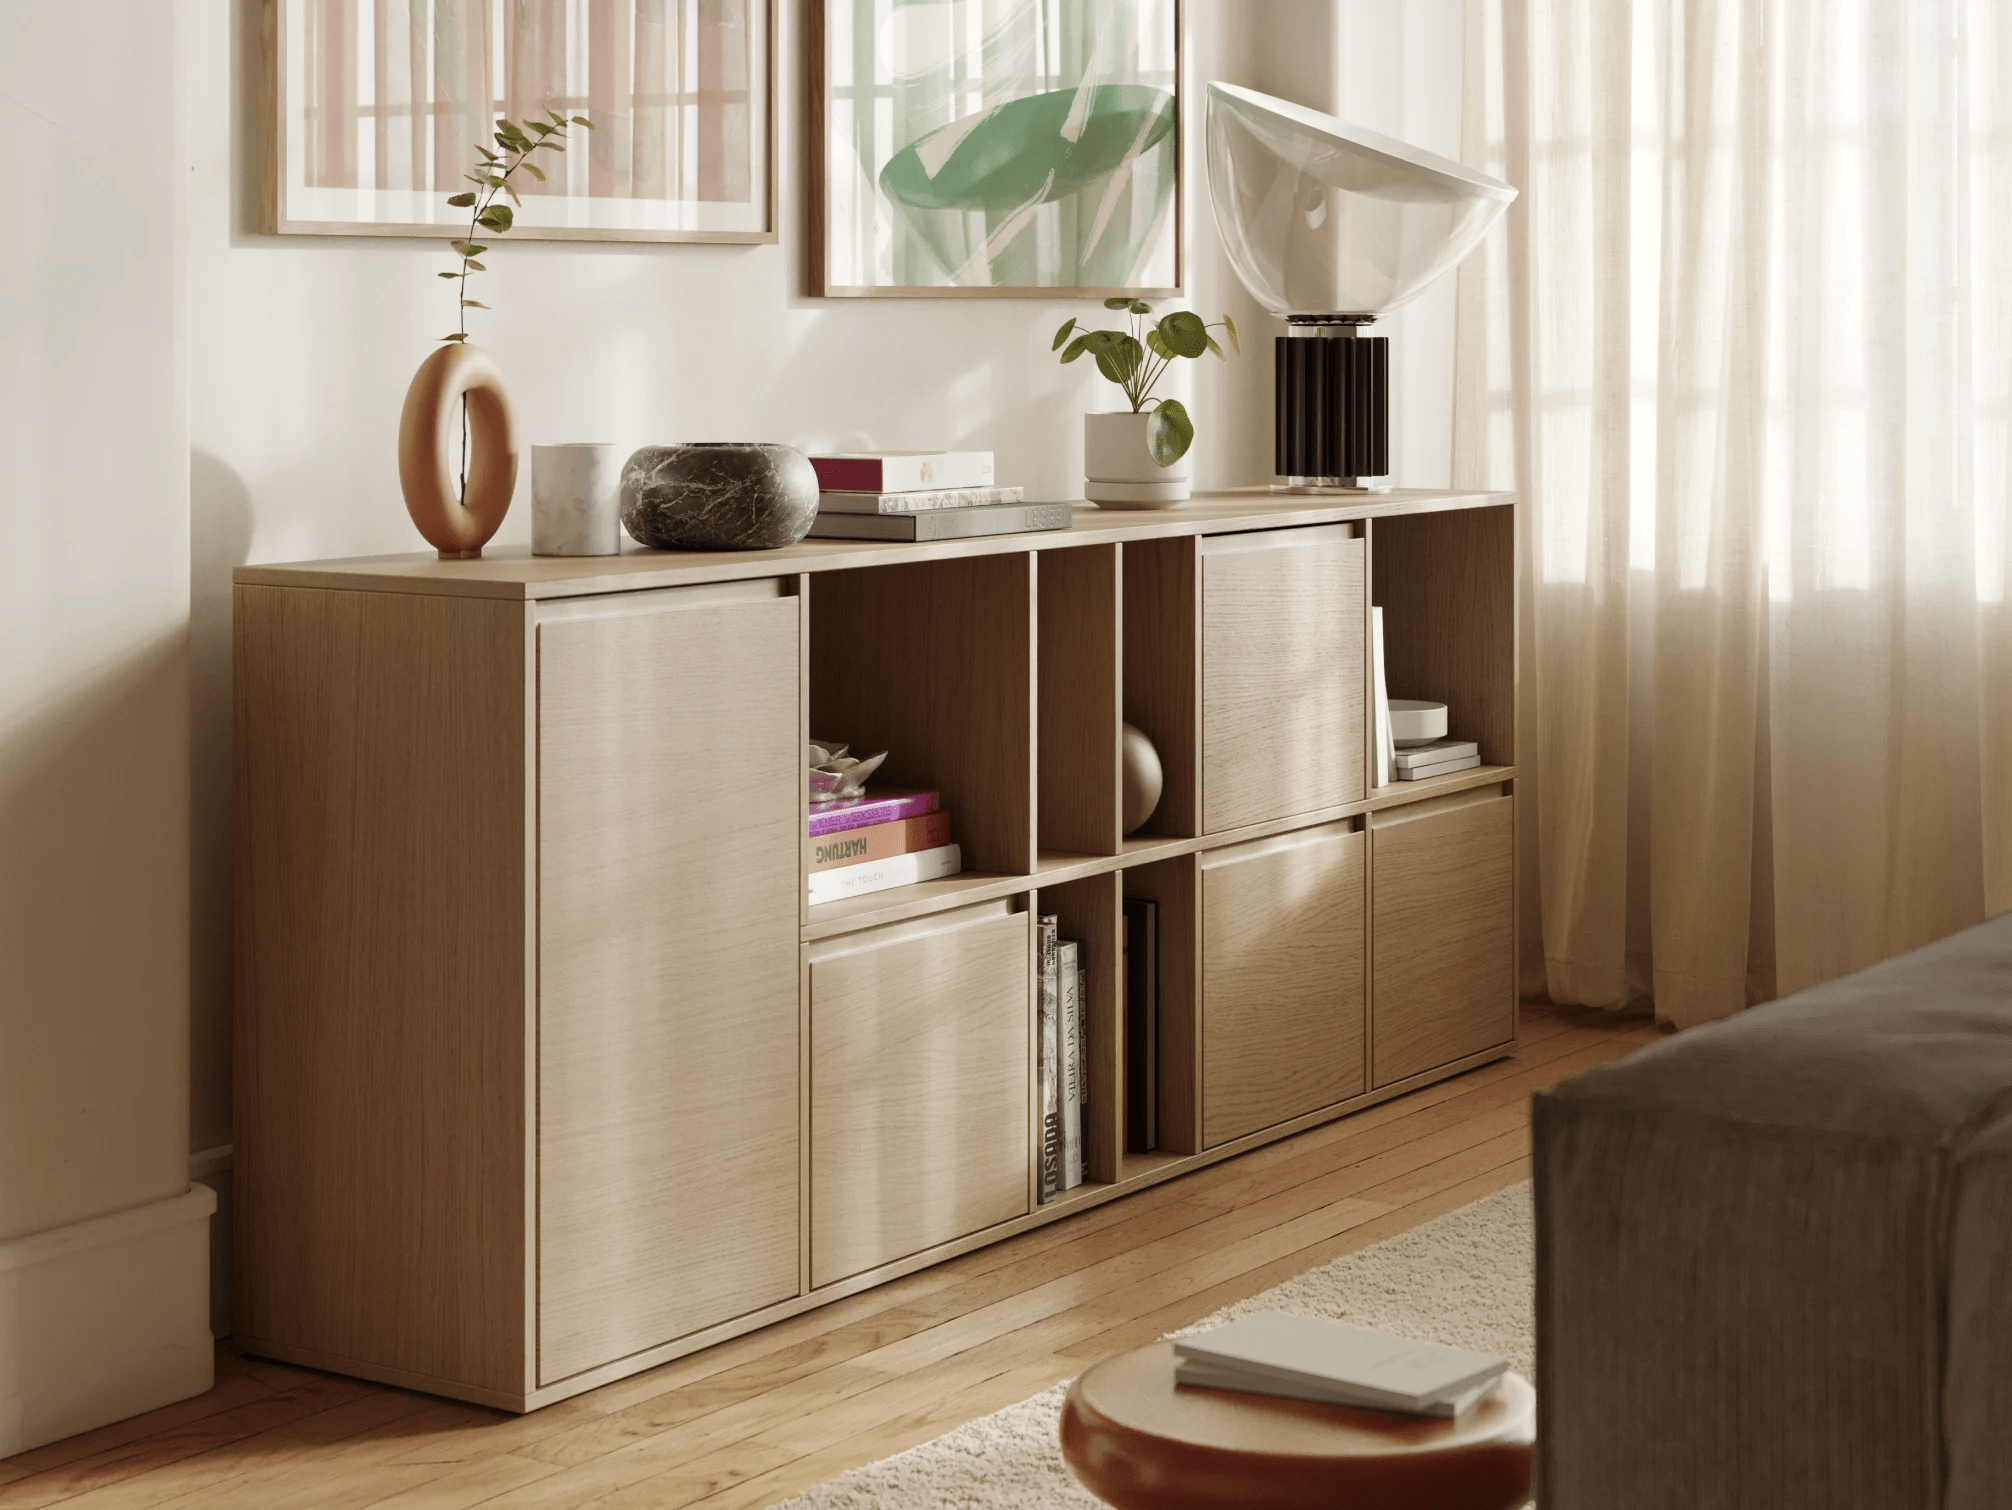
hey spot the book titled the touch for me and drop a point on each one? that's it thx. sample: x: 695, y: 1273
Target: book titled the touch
x: 901, y: 471
x: 925, y: 500
x: 1300, y: 1358
x: 883, y: 804
x: 884, y: 875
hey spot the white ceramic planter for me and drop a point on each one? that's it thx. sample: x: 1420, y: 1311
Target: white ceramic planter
x: 1119, y: 470
x: 576, y: 500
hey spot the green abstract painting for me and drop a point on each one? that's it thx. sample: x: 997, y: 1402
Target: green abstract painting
x: 1000, y: 146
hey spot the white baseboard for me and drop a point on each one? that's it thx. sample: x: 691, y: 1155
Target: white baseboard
x: 103, y: 1319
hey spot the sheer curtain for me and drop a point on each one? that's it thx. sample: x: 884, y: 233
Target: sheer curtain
x: 1745, y: 351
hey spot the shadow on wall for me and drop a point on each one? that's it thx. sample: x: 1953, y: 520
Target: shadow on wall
x: 220, y: 534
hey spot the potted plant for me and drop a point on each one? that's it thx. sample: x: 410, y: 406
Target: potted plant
x: 458, y: 509
x: 1137, y: 458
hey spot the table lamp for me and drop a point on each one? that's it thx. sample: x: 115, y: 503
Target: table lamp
x: 1331, y: 226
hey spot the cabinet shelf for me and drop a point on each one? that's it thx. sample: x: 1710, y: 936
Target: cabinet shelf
x: 850, y: 914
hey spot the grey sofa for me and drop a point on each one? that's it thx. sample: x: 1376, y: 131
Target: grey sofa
x: 1774, y: 1255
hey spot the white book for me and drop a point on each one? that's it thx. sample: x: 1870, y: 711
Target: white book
x: 1207, y: 1376
x: 1067, y: 953
x: 1376, y: 1370
x: 1386, y: 749
x: 1048, y: 1072
x: 1443, y: 768
x: 883, y: 875
x: 1433, y: 754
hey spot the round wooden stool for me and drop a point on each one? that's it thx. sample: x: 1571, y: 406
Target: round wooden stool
x: 1139, y: 1441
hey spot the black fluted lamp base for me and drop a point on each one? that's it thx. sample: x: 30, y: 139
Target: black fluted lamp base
x: 1332, y: 406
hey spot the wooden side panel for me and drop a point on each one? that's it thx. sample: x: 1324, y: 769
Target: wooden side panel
x: 381, y: 1075
x: 1444, y: 980
x: 1282, y: 682
x: 1282, y: 979
x: 1163, y: 672
x: 919, y: 1070
x: 1088, y: 912
x: 934, y: 663
x: 1447, y: 585
x: 1080, y: 685
x: 1175, y: 884
x: 669, y: 792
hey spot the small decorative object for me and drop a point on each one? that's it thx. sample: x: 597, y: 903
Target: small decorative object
x: 459, y: 513
x: 1143, y: 778
x: 1414, y: 722
x: 372, y: 104
x: 576, y: 500
x: 1136, y: 459
x: 718, y: 496
x: 1008, y: 149
x: 835, y: 774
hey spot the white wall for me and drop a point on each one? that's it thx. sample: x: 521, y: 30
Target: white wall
x: 94, y: 765
x: 301, y: 349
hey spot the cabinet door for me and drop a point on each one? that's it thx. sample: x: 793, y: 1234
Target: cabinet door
x: 1282, y: 986
x: 669, y: 781
x: 919, y: 1106
x: 1282, y: 674
x: 1444, y: 945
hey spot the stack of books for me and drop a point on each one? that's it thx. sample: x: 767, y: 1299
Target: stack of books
x: 1064, y: 1070
x: 1299, y: 1358
x: 922, y: 495
x: 888, y: 837
x: 1440, y: 758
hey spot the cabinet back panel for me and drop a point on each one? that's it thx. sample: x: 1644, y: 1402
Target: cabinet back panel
x: 669, y: 790
x: 1282, y: 979
x: 380, y: 1073
x: 1282, y: 674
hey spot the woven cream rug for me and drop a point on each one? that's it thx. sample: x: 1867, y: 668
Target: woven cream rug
x: 1466, y: 1278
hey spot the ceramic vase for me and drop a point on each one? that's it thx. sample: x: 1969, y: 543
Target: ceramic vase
x: 576, y: 500
x: 718, y: 496
x: 1118, y: 466
x: 455, y: 523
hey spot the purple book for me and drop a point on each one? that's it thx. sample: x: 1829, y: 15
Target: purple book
x: 883, y: 806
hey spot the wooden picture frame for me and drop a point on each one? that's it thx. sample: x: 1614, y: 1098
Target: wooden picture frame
x: 667, y: 142
x: 830, y: 267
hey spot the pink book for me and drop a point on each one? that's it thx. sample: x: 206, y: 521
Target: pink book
x: 884, y: 805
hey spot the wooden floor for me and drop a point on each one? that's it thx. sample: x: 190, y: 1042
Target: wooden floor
x: 754, y: 1420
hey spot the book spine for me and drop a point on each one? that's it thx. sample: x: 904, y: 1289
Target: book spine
x: 879, y: 841
x: 837, y: 501
x: 1050, y: 1067
x: 840, y: 816
x: 883, y: 875
x: 1072, y: 1063
x: 1085, y: 1110
x: 1444, y: 768
x: 1386, y: 747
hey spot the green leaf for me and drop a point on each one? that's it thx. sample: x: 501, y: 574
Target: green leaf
x: 446, y: 275
x: 476, y: 267
x: 468, y: 248
x: 540, y: 127
x: 1230, y: 330
x: 1156, y: 343
x: 1117, y: 304
x: 473, y: 304
x: 1119, y: 360
x: 498, y: 217
x: 459, y: 335
x: 534, y: 170
x: 1141, y: 307
x: 461, y: 201
x: 1169, y: 432
x: 1185, y: 333
x: 1076, y: 347
x: 1063, y: 334
x: 581, y: 120
x: 1216, y: 349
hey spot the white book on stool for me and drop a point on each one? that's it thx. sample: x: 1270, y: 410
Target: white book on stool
x: 1301, y: 1358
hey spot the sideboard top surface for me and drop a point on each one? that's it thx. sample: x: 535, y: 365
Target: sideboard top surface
x: 512, y: 572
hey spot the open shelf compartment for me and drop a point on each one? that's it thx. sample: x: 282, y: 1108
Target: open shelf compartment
x: 1080, y: 692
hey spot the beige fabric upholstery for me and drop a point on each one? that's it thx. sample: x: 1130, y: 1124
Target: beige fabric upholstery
x: 1754, y: 1238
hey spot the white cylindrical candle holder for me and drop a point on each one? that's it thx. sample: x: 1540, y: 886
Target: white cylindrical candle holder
x: 576, y: 500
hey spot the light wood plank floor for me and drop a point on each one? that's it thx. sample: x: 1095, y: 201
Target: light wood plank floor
x: 754, y: 1420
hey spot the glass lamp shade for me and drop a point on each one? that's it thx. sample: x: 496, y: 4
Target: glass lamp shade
x: 1320, y: 217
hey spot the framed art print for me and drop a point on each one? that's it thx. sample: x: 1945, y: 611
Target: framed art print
x: 1022, y: 148
x: 374, y: 109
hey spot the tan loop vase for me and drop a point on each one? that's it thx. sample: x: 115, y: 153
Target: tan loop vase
x: 457, y: 527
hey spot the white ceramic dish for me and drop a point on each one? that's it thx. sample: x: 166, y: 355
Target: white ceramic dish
x: 1413, y: 722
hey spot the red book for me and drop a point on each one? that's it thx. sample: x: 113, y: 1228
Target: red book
x: 879, y: 841
x: 879, y: 805
x: 902, y: 471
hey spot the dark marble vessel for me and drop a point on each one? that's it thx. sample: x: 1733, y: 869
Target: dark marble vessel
x: 718, y: 496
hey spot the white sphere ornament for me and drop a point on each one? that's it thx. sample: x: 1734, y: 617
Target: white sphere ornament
x: 1143, y: 778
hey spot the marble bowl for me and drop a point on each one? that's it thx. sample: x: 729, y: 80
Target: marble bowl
x: 718, y: 496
